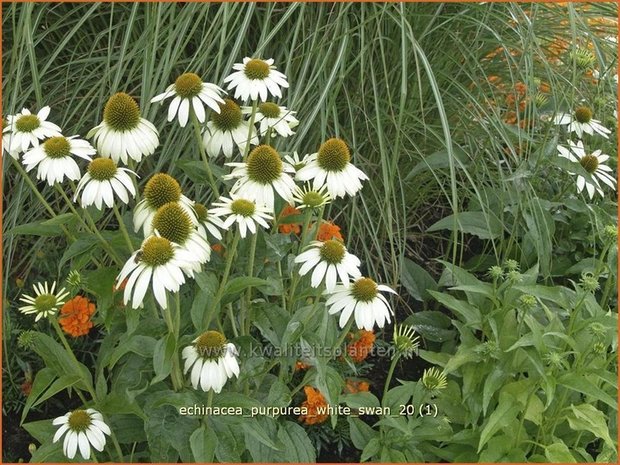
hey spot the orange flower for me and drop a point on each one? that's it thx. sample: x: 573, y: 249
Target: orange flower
x: 121, y: 287
x: 289, y: 210
x: 362, y: 345
x: 26, y: 388
x: 75, y: 316
x: 327, y: 231
x: 354, y: 386
x: 218, y: 248
x: 316, y: 405
x: 301, y: 366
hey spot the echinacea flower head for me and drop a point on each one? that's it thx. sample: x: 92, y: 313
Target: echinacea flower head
x: 308, y: 197
x: 83, y: 428
x: 256, y: 78
x: 123, y: 134
x: 332, y: 166
x: 226, y: 130
x: 261, y: 174
x: 172, y: 222
x: 295, y: 161
x: 54, y: 158
x: 26, y: 129
x: 191, y: 94
x: 102, y: 182
x: 212, y: 361
x: 330, y: 261
x: 75, y: 316
x: 45, y: 303
x: 246, y: 213
x: 364, y: 300
x: 208, y: 221
x: 581, y: 121
x: 315, y: 405
x: 593, y: 163
x: 405, y: 340
x: 270, y: 115
x: 160, y: 189
x: 160, y: 264
x: 434, y: 380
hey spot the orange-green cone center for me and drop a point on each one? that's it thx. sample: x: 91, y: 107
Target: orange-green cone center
x: 243, y: 207
x: 256, y: 69
x: 57, y: 147
x: 589, y: 163
x: 332, y: 252
x: 121, y: 112
x: 161, y: 189
x: 364, y: 289
x: 229, y: 116
x: 201, y: 211
x: 269, y: 109
x: 210, y: 345
x: 156, y: 251
x: 79, y: 420
x: 333, y: 155
x: 264, y: 164
x: 27, y: 123
x: 45, y: 303
x: 188, y: 85
x: 583, y: 114
x: 173, y: 223
x: 102, y: 169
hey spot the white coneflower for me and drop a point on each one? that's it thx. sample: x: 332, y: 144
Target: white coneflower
x: 330, y: 260
x: 244, y: 212
x: 83, y: 428
x: 123, y: 133
x: 296, y: 162
x: 160, y: 264
x: 212, y: 361
x: 361, y: 298
x: 54, y: 158
x: 580, y: 122
x: 171, y: 221
x: 261, y: 174
x: 307, y: 197
x: 331, y: 165
x: 102, y: 182
x: 208, y: 221
x: 6, y: 140
x: 188, y: 90
x: 270, y: 115
x: 226, y: 130
x: 593, y: 164
x: 255, y: 77
x: 27, y: 130
x: 45, y: 302
x: 160, y: 189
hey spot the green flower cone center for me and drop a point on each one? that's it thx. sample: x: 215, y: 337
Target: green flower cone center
x: 173, y: 223
x: 229, y: 116
x: 364, y: 290
x: 57, y: 147
x: 583, y: 114
x: 243, y: 207
x: 201, y: 212
x: 27, y: 123
x: 157, y: 251
x: 188, y: 85
x: 256, y: 69
x: 589, y: 163
x: 121, y: 112
x: 269, y: 109
x: 313, y: 199
x: 333, y: 155
x: 79, y: 420
x: 433, y: 380
x: 264, y: 164
x: 161, y: 189
x: 102, y: 169
x: 332, y: 252
x: 45, y: 303
x: 211, y: 345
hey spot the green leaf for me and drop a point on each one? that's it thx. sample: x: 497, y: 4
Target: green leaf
x: 47, y: 228
x: 360, y: 399
x: 468, y: 313
x: 239, y: 284
x: 83, y: 245
x: 371, y: 449
x: 579, y: 384
x: 60, y: 384
x: 558, y: 453
x: 162, y: 357
x: 586, y: 417
x: 253, y: 428
x: 141, y: 345
x: 501, y: 417
x: 203, y: 442
x: 438, y: 160
x: 297, y: 445
x: 417, y: 280
x: 361, y: 433
x: 41, y: 430
x: 199, y: 307
x: 541, y: 228
x: 42, y: 380
x: 485, y: 226
x: 431, y: 325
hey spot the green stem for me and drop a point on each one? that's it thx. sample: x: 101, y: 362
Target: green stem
x: 245, y: 311
x: 295, y: 278
x: 175, y: 375
x: 344, y: 333
x: 231, y: 317
x: 123, y: 228
x: 216, y: 301
x: 203, y: 153
x: 251, y: 128
x: 388, y: 380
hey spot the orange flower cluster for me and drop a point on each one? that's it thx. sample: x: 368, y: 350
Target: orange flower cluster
x: 329, y: 230
x: 314, y: 401
x: 361, y: 346
x: 301, y: 366
x: 218, y: 248
x: 75, y: 316
x: 353, y: 386
x: 294, y: 228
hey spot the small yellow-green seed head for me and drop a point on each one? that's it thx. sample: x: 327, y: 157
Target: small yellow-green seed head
x: 188, y: 85
x: 57, y: 147
x: 121, y: 112
x: 102, y: 169
x: 332, y: 251
x: 364, y: 289
x: 211, y: 345
x: 173, y: 222
x: 264, y: 164
x: 27, y: 123
x: 243, y: 207
x: 313, y: 199
x: 589, y: 163
x: 79, y: 420
x: 583, y: 114
x: 161, y: 189
x: 45, y: 303
x: 434, y: 380
x: 229, y: 116
x: 156, y: 251
x: 333, y: 155
x: 256, y: 69
x: 269, y: 109
x: 201, y: 211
